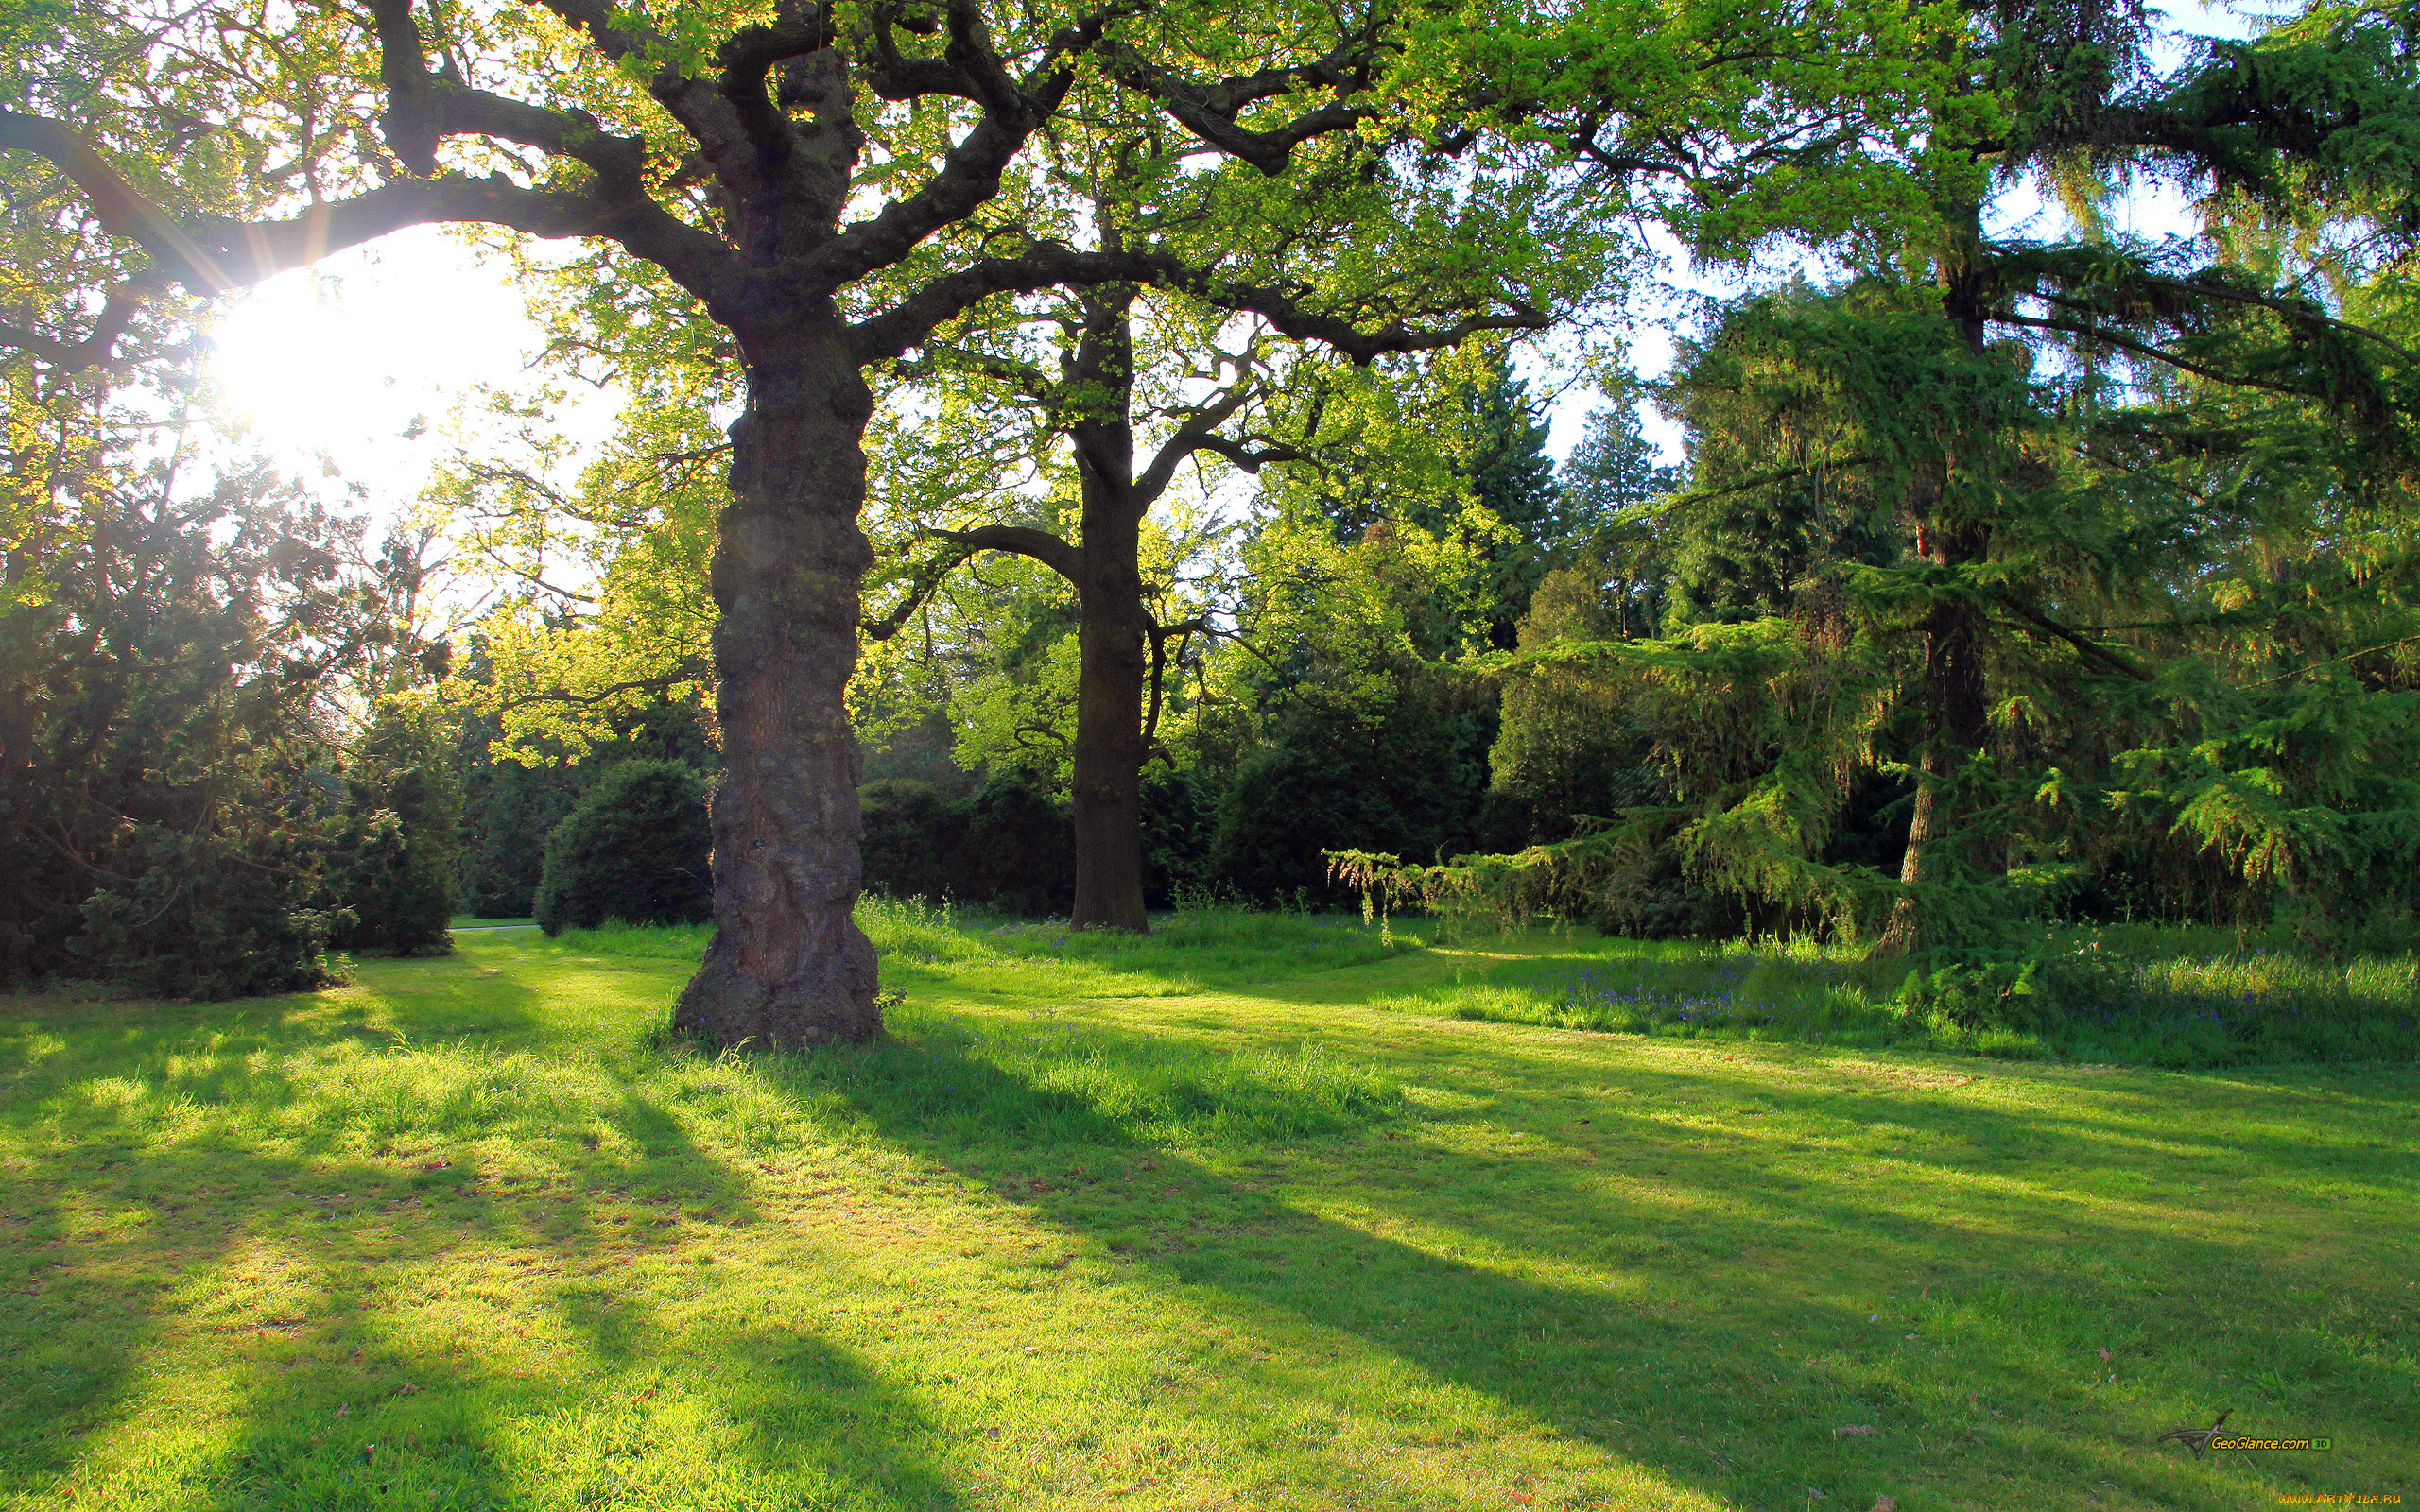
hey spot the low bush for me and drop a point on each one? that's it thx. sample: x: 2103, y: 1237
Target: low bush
x: 1009, y: 845
x: 634, y: 851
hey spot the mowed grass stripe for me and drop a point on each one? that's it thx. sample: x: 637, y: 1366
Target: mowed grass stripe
x: 1109, y: 1225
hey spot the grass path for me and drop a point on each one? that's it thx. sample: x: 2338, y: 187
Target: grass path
x: 466, y: 1235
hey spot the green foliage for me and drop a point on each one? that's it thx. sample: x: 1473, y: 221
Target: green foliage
x: 170, y: 812
x: 1006, y: 844
x: 214, y: 915
x: 1976, y: 995
x: 1614, y: 472
x: 507, y: 811
x: 634, y: 851
x: 1410, y: 773
x: 402, y: 833
x: 1512, y: 479
x: 2147, y: 996
x: 1569, y: 745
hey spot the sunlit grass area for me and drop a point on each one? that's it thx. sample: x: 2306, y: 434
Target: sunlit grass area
x: 1242, y: 1215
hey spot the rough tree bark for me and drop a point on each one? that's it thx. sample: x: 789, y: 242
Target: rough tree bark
x: 1113, y: 629
x: 1112, y: 624
x: 788, y: 965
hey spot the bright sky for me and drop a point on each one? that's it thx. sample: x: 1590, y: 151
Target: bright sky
x: 359, y: 360
x: 358, y: 363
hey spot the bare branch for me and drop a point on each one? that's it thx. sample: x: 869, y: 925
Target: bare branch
x: 1195, y: 434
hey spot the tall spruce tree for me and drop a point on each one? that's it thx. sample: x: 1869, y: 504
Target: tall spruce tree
x: 1970, y: 404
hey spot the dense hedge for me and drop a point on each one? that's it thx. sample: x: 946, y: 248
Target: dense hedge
x: 634, y: 849
x: 1010, y: 844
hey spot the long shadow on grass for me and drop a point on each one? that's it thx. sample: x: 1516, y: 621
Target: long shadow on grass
x: 282, y: 1205
x: 658, y: 1417
x: 1608, y: 1355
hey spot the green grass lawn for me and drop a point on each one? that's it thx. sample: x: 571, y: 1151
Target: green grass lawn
x: 1242, y: 1217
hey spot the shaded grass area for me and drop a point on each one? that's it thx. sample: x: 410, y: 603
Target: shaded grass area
x: 2142, y: 996
x: 475, y: 1233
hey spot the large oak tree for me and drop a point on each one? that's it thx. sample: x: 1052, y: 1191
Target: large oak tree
x: 815, y: 179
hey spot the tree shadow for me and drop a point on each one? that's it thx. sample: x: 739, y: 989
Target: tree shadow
x: 260, y: 1211
x: 647, y: 1414
x: 1416, y: 1244
x: 1568, y: 1300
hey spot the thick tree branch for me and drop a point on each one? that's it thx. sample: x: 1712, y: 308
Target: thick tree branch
x: 1019, y: 539
x: 1248, y: 458
x: 209, y: 255
x: 98, y: 345
x: 410, y: 123
x: 969, y: 177
x: 619, y: 32
x: 1023, y: 541
x: 2091, y: 651
x: 1195, y: 434
x: 746, y: 57
x: 911, y: 321
x: 1213, y: 111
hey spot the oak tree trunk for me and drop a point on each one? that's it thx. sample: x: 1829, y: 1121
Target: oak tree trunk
x: 789, y: 966
x: 1112, y: 631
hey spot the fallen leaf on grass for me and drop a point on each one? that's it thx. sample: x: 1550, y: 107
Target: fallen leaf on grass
x: 1854, y: 1431
x: 2104, y: 1351
x: 406, y: 1389
x: 1886, y: 1504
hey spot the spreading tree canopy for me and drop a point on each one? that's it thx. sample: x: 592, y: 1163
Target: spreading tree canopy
x: 817, y: 181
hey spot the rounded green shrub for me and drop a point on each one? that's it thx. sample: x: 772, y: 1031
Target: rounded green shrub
x: 634, y: 849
